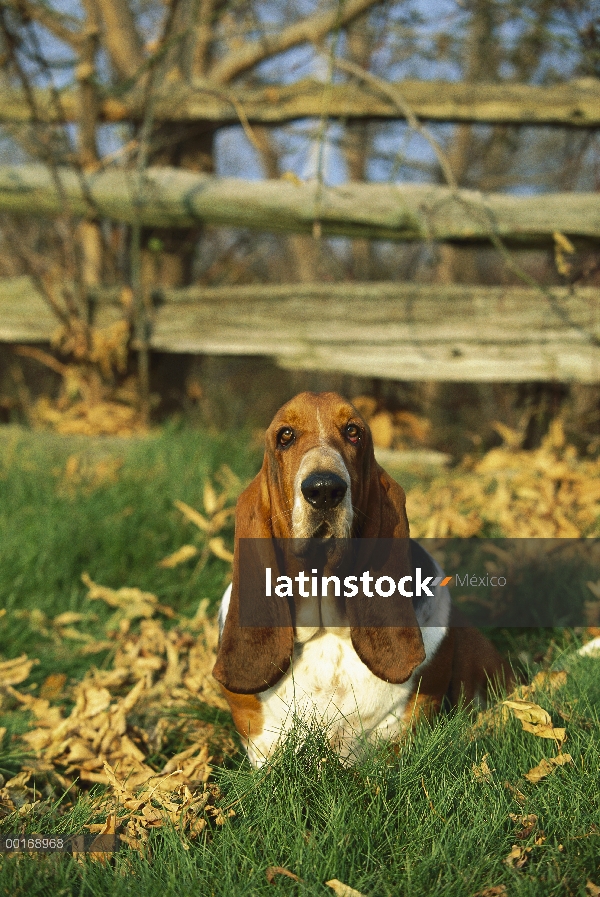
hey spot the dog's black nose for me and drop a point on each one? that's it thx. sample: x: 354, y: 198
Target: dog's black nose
x: 324, y: 490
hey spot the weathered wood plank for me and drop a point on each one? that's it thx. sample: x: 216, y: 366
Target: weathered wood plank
x: 390, y: 330
x: 176, y: 198
x: 574, y: 104
x: 462, y: 362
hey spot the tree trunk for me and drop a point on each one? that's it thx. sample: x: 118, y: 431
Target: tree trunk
x: 167, y: 254
x: 481, y: 65
x: 357, y: 143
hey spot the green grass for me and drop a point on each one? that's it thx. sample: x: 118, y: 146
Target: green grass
x: 53, y: 529
x: 414, y: 824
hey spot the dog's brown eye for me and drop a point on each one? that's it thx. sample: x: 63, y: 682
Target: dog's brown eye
x: 285, y: 437
x: 352, y: 433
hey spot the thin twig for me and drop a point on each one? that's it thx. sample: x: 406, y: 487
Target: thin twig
x: 141, y: 320
x: 39, y: 278
x: 74, y: 309
x: 324, y: 122
x: 43, y: 357
x: 433, y: 809
x: 393, y: 94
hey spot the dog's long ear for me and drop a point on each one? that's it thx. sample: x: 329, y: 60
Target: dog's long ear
x: 385, y: 632
x: 253, y: 658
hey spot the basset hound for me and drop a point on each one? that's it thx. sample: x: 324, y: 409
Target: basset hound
x: 320, y: 480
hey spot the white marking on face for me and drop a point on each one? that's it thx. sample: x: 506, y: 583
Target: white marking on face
x: 321, y: 427
x: 305, y: 518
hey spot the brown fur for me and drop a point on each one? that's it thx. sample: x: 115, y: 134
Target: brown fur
x: 463, y: 668
x: 251, y: 660
x: 247, y: 713
x: 433, y: 685
x: 475, y: 664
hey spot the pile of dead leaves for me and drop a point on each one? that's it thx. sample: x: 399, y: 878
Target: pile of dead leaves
x: 217, y: 517
x: 120, y: 726
x: 189, y: 804
x: 97, y: 395
x: 392, y: 430
x: 545, y: 493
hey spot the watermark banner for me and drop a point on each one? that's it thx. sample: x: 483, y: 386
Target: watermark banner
x: 493, y: 582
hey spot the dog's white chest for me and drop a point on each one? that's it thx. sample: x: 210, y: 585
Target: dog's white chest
x: 328, y: 684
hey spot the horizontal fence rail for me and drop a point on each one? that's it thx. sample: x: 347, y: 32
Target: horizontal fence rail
x: 175, y: 198
x: 389, y: 330
x: 574, y: 104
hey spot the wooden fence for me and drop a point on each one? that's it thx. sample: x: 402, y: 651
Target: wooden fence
x: 574, y: 104
x: 175, y: 198
x: 388, y: 330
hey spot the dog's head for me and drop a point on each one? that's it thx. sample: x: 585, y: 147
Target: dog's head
x: 318, y: 453
x: 319, y: 480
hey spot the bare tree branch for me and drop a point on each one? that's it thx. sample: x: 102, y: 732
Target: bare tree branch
x: 88, y: 94
x: 312, y: 29
x: 51, y: 158
x: 121, y: 37
x: 64, y: 26
x: 204, y: 33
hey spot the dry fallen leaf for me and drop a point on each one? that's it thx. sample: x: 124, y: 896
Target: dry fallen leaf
x: 180, y: 556
x: 535, y: 719
x: 518, y: 856
x: 209, y: 498
x: 562, y: 247
x: 592, y: 889
x: 218, y: 548
x: 131, y: 603
x: 343, y: 890
x: 546, y: 767
x: 557, y: 734
x: 518, y: 795
x: 68, y: 618
x: 495, y: 891
x: 527, y: 823
x: 53, y: 685
x: 193, y: 516
x: 272, y: 871
x: 96, y: 647
x: 382, y: 429
x: 13, y: 672
x: 482, y: 771
x: 529, y: 712
x: 109, y: 828
x: 551, y: 679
